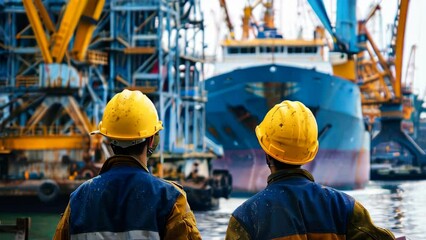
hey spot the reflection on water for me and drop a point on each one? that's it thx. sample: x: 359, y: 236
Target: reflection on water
x: 213, y: 224
x: 398, y: 206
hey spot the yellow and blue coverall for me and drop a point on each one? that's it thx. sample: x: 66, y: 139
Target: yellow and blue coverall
x: 125, y: 201
x: 293, y: 206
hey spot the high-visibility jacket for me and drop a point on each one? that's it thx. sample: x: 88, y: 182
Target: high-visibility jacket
x: 126, y: 202
x: 293, y: 206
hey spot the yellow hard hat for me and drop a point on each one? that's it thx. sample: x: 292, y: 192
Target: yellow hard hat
x: 289, y: 133
x: 129, y: 118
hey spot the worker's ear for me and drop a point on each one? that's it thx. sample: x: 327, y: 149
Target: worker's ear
x: 152, y: 144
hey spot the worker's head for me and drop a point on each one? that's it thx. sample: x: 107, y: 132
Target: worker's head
x: 289, y: 133
x: 130, y: 122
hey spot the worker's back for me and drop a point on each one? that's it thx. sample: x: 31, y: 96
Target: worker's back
x: 125, y: 201
x: 296, y: 206
x: 293, y: 206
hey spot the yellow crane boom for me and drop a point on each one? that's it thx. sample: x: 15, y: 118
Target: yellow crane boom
x: 80, y: 16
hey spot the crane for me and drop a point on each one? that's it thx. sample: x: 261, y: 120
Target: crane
x: 265, y: 30
x: 248, y: 19
x: 227, y: 19
x: 51, y: 106
x: 91, y: 10
x: 382, y: 87
x: 379, y: 77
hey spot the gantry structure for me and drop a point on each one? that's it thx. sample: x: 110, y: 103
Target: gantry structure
x: 61, y: 61
x: 378, y: 75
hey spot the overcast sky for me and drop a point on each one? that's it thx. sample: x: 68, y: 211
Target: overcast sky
x: 287, y: 11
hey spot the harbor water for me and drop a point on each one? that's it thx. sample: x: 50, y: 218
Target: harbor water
x: 398, y: 206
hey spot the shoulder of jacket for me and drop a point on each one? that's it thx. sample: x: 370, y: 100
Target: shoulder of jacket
x: 178, y: 187
x: 175, y: 184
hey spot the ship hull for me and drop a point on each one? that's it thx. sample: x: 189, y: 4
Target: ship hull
x: 238, y: 101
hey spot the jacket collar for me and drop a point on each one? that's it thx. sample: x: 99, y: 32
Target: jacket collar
x: 290, y: 173
x: 121, y: 160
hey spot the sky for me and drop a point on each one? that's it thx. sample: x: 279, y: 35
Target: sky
x: 287, y: 11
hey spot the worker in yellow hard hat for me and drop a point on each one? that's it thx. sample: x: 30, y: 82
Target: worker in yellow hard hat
x: 293, y: 206
x: 125, y: 201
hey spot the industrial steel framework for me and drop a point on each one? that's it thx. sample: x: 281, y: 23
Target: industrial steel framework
x: 158, y: 48
x: 61, y: 61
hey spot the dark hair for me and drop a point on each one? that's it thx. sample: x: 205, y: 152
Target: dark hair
x: 280, y: 165
x: 132, y: 150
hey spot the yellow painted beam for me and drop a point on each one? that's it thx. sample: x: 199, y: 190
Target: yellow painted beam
x: 144, y: 89
x: 37, y: 116
x: 381, y: 60
x: 85, y: 28
x: 44, y: 16
x: 78, y: 116
x: 119, y: 78
x: 140, y: 50
x: 38, y: 30
x: 43, y: 142
x: 146, y: 21
x: 399, y: 49
x: 62, y: 37
x: 20, y: 35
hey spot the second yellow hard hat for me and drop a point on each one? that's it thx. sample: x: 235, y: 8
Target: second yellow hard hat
x: 289, y: 133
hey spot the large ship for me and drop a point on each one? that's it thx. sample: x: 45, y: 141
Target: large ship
x: 257, y: 73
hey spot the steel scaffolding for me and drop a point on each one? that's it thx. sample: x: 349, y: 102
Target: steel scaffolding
x: 61, y: 62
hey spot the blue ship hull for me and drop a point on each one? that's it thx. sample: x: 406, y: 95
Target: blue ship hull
x: 238, y: 101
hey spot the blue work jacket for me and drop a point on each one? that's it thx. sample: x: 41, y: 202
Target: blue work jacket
x: 293, y: 206
x: 126, y: 202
